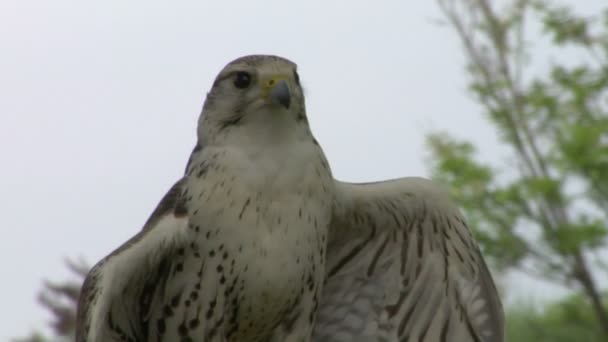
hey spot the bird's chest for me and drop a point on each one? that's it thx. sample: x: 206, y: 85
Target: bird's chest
x: 282, y: 260
x: 272, y: 239
x: 264, y: 241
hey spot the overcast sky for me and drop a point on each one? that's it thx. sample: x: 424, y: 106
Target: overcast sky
x: 99, y: 102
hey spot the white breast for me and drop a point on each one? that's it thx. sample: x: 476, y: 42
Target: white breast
x: 268, y: 211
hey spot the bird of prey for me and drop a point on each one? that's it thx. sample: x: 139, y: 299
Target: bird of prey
x: 257, y: 242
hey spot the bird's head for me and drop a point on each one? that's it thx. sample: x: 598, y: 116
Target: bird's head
x: 254, y: 97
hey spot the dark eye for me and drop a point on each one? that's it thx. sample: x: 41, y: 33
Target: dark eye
x: 296, y: 77
x: 242, y: 79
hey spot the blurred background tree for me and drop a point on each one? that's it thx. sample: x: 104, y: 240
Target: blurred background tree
x: 545, y: 213
x: 61, y: 300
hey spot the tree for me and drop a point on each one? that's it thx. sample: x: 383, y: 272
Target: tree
x: 545, y: 214
x: 61, y: 300
x: 566, y: 320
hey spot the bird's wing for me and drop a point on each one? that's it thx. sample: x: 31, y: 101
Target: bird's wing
x: 403, y: 266
x: 115, y: 296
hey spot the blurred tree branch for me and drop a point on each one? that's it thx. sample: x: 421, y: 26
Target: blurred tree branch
x: 61, y: 299
x: 557, y: 128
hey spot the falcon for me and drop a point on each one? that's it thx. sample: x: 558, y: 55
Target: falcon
x: 257, y: 242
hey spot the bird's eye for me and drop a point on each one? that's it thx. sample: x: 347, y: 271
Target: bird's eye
x: 242, y: 79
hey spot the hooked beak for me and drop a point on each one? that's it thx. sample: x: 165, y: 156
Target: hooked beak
x: 278, y: 92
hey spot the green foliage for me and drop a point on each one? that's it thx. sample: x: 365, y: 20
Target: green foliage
x: 545, y: 212
x: 562, y: 25
x: 570, y: 319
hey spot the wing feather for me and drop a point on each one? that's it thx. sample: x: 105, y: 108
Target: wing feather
x: 402, y: 265
x: 116, y: 293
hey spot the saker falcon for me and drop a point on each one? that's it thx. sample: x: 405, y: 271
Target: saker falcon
x: 258, y: 242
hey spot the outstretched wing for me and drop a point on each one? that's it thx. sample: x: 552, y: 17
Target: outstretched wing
x: 403, y: 266
x: 116, y: 294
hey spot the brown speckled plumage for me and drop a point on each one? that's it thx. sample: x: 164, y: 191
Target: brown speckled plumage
x: 258, y: 242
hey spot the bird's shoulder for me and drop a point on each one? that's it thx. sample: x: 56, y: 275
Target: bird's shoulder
x: 110, y: 286
x: 404, y: 251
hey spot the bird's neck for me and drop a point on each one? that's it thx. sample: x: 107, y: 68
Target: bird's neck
x: 258, y: 128
x: 283, y: 132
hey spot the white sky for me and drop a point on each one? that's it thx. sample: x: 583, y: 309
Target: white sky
x: 99, y: 102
